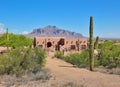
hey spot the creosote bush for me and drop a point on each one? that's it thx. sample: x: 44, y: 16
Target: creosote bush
x: 59, y: 54
x: 79, y: 59
x: 109, y: 56
x: 22, y: 60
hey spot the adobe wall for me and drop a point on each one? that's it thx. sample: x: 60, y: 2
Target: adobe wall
x: 66, y: 44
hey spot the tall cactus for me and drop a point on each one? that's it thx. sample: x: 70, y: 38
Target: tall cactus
x: 7, y: 37
x: 78, y: 45
x: 91, y: 44
x: 96, y: 43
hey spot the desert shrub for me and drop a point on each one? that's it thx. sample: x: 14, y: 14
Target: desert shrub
x: 59, y: 54
x: 15, y: 41
x: 22, y: 60
x: 109, y: 55
x: 11, y: 80
x: 79, y: 59
x: 72, y: 84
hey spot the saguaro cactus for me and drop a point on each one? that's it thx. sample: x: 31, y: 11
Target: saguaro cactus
x: 7, y: 37
x: 78, y: 45
x: 91, y: 44
x: 96, y: 43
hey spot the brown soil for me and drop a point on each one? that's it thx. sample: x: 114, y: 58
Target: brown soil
x: 68, y: 73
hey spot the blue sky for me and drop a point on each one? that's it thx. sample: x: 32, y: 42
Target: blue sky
x: 22, y: 16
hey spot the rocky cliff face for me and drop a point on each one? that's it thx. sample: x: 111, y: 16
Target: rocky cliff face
x: 53, y: 31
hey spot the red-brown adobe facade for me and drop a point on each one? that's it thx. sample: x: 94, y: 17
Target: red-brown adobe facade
x: 65, y: 44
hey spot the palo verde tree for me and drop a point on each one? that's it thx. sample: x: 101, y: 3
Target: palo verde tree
x: 91, y: 44
x: 15, y: 40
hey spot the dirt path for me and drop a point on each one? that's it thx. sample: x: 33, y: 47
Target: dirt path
x: 66, y: 72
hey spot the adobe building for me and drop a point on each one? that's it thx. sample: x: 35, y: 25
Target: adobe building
x: 60, y: 43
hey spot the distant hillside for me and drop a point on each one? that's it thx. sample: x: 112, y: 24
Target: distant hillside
x: 53, y: 31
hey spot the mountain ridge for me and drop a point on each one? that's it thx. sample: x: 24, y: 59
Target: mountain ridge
x: 53, y: 31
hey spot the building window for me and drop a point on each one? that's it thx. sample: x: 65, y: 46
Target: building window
x: 80, y: 42
x: 66, y: 42
x: 71, y: 42
x: 53, y: 42
x: 41, y: 46
x: 72, y: 47
x: 83, y: 46
x: 37, y: 42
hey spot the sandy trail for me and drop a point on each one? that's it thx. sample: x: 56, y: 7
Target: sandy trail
x: 67, y: 72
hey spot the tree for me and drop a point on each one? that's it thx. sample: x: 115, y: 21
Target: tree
x: 14, y: 40
x: 96, y: 43
x: 91, y: 45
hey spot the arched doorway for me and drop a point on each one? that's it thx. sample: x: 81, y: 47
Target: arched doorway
x: 61, y: 42
x: 49, y: 44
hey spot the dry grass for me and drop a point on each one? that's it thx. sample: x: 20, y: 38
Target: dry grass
x: 115, y: 71
x: 12, y: 80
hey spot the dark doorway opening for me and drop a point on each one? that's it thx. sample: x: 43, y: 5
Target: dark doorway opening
x: 72, y: 47
x: 49, y: 44
x: 61, y: 42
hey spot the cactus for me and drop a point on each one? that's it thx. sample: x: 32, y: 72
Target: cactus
x: 96, y: 43
x: 91, y: 44
x: 78, y: 45
x: 7, y: 37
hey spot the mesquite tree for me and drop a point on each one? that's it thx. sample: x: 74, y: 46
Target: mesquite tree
x: 91, y: 44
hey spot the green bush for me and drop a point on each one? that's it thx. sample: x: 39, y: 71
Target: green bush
x: 22, y: 60
x: 109, y: 55
x: 59, y: 54
x: 78, y: 59
x: 15, y: 41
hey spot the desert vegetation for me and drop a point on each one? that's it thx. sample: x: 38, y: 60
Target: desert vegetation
x: 14, y: 40
x: 108, y: 57
x: 108, y: 54
x: 22, y: 60
x: 22, y: 65
x: 80, y: 59
x: 91, y: 44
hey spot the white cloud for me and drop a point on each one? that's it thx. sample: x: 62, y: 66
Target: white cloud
x: 25, y: 32
x: 2, y: 28
x: 110, y: 35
